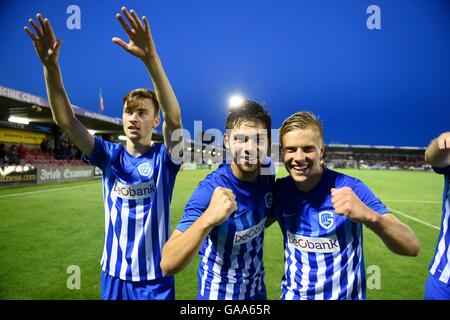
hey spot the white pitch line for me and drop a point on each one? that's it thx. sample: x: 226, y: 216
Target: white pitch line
x: 38, y: 191
x: 414, y: 219
x: 411, y: 201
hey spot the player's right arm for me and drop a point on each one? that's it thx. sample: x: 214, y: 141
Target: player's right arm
x: 182, y: 247
x: 438, y: 152
x: 47, y: 48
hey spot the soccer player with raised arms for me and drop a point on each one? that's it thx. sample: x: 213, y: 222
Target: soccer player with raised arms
x: 138, y: 179
x: 438, y: 283
x: 321, y: 214
x: 225, y: 217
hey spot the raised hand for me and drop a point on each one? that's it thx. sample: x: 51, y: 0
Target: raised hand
x: 443, y: 141
x: 140, y: 42
x: 45, y: 43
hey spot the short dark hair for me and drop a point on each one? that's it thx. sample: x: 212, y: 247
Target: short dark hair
x: 249, y: 111
x: 135, y: 96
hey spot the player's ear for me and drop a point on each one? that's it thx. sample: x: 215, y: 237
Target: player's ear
x: 226, y: 141
x: 156, y: 121
x: 268, y: 138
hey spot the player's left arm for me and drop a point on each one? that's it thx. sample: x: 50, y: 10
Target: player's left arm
x: 397, y: 236
x: 438, y: 152
x: 141, y: 45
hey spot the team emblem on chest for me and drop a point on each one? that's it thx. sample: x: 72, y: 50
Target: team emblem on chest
x: 145, y: 169
x: 326, y: 219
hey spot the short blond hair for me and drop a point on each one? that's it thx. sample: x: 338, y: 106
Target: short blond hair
x: 302, y: 121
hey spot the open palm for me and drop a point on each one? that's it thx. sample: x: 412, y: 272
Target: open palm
x: 45, y: 43
x: 141, y: 43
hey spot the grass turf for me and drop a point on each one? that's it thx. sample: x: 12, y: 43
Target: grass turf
x: 45, y: 229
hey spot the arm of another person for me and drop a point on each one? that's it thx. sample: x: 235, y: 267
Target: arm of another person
x: 438, y: 152
x: 182, y: 247
x: 397, y: 236
x: 141, y: 45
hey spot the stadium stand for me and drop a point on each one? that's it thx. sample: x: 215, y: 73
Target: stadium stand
x: 34, y: 150
x: 29, y: 135
x: 373, y: 157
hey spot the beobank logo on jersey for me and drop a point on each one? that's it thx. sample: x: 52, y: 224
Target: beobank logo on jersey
x: 249, y: 234
x: 307, y: 244
x: 133, y: 191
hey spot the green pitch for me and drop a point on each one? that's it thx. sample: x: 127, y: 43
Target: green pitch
x: 46, y: 229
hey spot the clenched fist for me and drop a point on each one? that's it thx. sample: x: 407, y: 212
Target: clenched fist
x: 443, y: 141
x: 438, y: 152
x: 347, y: 203
x: 223, y: 203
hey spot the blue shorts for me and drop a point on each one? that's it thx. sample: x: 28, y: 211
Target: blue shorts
x: 113, y: 288
x: 436, y: 290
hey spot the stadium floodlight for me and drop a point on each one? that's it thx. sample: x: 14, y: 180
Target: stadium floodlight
x: 235, y: 101
x: 123, y: 138
x: 20, y: 120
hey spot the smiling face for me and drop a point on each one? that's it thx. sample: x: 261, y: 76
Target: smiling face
x: 302, y: 154
x: 139, y: 121
x: 248, y: 143
x: 248, y: 138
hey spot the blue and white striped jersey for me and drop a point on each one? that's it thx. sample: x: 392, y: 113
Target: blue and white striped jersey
x: 323, y: 251
x: 231, y: 257
x: 440, y: 265
x: 137, y: 192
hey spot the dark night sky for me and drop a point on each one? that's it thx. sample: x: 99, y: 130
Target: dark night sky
x: 379, y: 87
